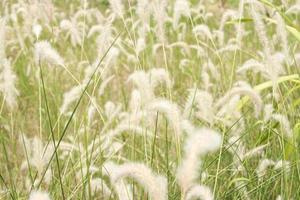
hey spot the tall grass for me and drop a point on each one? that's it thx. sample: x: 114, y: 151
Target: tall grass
x: 149, y: 99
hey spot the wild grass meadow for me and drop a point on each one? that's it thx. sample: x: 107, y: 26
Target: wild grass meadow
x: 149, y: 99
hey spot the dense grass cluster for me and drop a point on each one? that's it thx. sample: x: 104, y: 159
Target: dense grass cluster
x: 149, y: 99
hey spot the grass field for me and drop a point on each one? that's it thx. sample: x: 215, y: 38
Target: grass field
x: 149, y: 99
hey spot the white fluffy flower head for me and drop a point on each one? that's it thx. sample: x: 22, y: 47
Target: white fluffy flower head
x: 39, y: 195
x: 43, y: 51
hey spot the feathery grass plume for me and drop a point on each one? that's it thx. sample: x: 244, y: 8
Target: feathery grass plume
x: 282, y: 34
x: 211, y: 68
x: 39, y: 156
x: 241, y: 186
x: 135, y: 118
x: 265, y: 164
x: 117, y: 7
x: 104, y: 85
x: 284, y: 123
x: 199, y: 143
x: 67, y: 148
x: 184, y: 64
x: 158, y: 76
x: 104, y: 39
x: 251, y: 64
x: 114, y: 150
x: 282, y: 164
x: 155, y: 185
x: 255, y: 151
x: 69, y: 97
x: 187, y: 126
x: 239, y: 127
x: 103, y: 30
x: 228, y: 48
x: 171, y: 111
x: 121, y: 188
x: 297, y: 58
x: 74, y: 28
x: 7, y: 76
x: 39, y: 195
x: 271, y: 65
x: 43, y: 51
x: 125, y: 127
x: 94, y: 29
x: 141, y: 80
x: 279, y: 197
x: 203, y: 103
x: 181, y: 8
x: 160, y: 16
x: 8, y: 84
x: 242, y: 89
x: 207, y: 84
x: 86, y: 12
x: 278, y: 58
x: 182, y: 45
x: 228, y: 14
x: 199, y: 191
x: 140, y: 45
x: 238, y: 151
x: 98, y: 186
x: 91, y: 111
x: 110, y: 135
x: 143, y: 11
x: 183, y: 32
x: 237, y: 148
x: 111, y: 110
x: 284, y: 3
x: 190, y: 101
x: 159, y: 46
x: 110, y: 61
x: 2, y: 40
x: 135, y: 103
x: 268, y: 111
x: 260, y: 27
x: 229, y: 114
x: 200, y: 51
x: 257, y: 66
x: 38, y: 11
x: 89, y: 70
x: 199, y: 9
x: 146, y: 82
x: 294, y: 9
x: 73, y: 31
x: 37, y: 29
x: 203, y: 31
x: 240, y: 26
